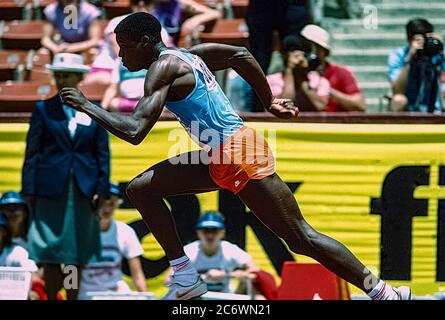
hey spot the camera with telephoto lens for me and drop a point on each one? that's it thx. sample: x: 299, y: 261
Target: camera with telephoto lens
x: 431, y: 48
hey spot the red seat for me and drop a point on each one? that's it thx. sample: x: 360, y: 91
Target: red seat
x: 10, y: 60
x: 22, y: 35
x: 40, y: 75
x: 232, y: 32
x: 116, y: 8
x: 36, y: 66
x: 40, y: 59
x: 39, y: 6
x: 16, y: 96
x: 11, y: 9
x: 93, y: 92
x: 239, y: 7
x: 304, y: 281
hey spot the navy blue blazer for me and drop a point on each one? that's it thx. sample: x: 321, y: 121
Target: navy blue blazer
x: 51, y: 154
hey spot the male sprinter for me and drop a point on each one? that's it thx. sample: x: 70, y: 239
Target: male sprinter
x: 182, y: 81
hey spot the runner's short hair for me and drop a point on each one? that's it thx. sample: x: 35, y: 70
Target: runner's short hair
x: 140, y: 24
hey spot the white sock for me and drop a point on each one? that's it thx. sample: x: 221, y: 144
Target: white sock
x: 383, y: 291
x: 184, y: 272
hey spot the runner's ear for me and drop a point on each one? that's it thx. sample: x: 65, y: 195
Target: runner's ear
x: 145, y: 41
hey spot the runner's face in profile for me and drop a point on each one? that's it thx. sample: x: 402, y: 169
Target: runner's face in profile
x: 135, y: 55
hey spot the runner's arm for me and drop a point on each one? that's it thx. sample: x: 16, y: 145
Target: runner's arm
x: 221, y: 56
x: 135, y: 127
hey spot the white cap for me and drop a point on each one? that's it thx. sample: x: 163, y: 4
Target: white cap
x: 317, y: 35
x: 68, y: 62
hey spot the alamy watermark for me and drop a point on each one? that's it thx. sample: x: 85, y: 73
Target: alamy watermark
x: 370, y: 17
x: 71, y: 277
x: 370, y: 280
x: 71, y: 20
x: 241, y: 146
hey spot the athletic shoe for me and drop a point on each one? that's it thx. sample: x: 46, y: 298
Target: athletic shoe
x: 403, y: 292
x: 177, y: 291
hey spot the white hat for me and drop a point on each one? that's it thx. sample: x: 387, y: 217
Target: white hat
x: 68, y: 62
x: 317, y: 35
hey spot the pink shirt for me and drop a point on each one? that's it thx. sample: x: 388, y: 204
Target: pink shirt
x: 341, y: 79
x: 318, y: 83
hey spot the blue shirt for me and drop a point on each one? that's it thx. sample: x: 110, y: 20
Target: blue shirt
x: 72, y: 30
x: 70, y: 116
x: 396, y: 62
x: 206, y: 113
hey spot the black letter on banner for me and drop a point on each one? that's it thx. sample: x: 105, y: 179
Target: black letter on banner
x: 440, y: 268
x: 397, y: 208
x: 234, y: 211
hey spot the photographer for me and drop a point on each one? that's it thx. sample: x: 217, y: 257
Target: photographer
x: 344, y: 94
x: 414, y: 70
x: 300, y: 82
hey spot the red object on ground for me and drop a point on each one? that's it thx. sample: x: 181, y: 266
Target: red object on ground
x: 265, y: 283
x: 304, y: 281
x: 38, y: 286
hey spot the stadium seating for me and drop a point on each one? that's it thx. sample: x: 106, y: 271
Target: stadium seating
x: 116, y: 8
x: 40, y: 59
x: 306, y: 281
x: 23, y: 35
x: 239, y: 7
x: 21, y: 96
x: 230, y: 31
x: 39, y: 75
x: 16, y: 96
x: 35, y: 68
x: 10, y: 60
x: 39, y: 6
x: 93, y: 92
x: 14, y: 10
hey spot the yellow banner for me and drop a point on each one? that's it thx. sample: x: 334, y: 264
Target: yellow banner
x: 354, y: 181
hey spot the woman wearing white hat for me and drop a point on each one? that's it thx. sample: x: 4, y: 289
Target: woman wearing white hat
x: 66, y: 167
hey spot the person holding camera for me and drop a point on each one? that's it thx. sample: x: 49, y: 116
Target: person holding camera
x: 345, y: 94
x: 299, y: 81
x: 414, y: 70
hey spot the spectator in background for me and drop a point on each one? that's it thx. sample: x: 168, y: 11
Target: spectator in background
x: 12, y: 255
x: 15, y: 210
x: 106, y: 60
x: 119, y: 241
x: 263, y: 18
x: 125, y: 90
x: 64, y: 180
x: 15, y: 256
x: 181, y: 18
x: 300, y: 82
x: 218, y: 260
x: 404, y: 69
x: 76, y: 22
x: 345, y: 94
